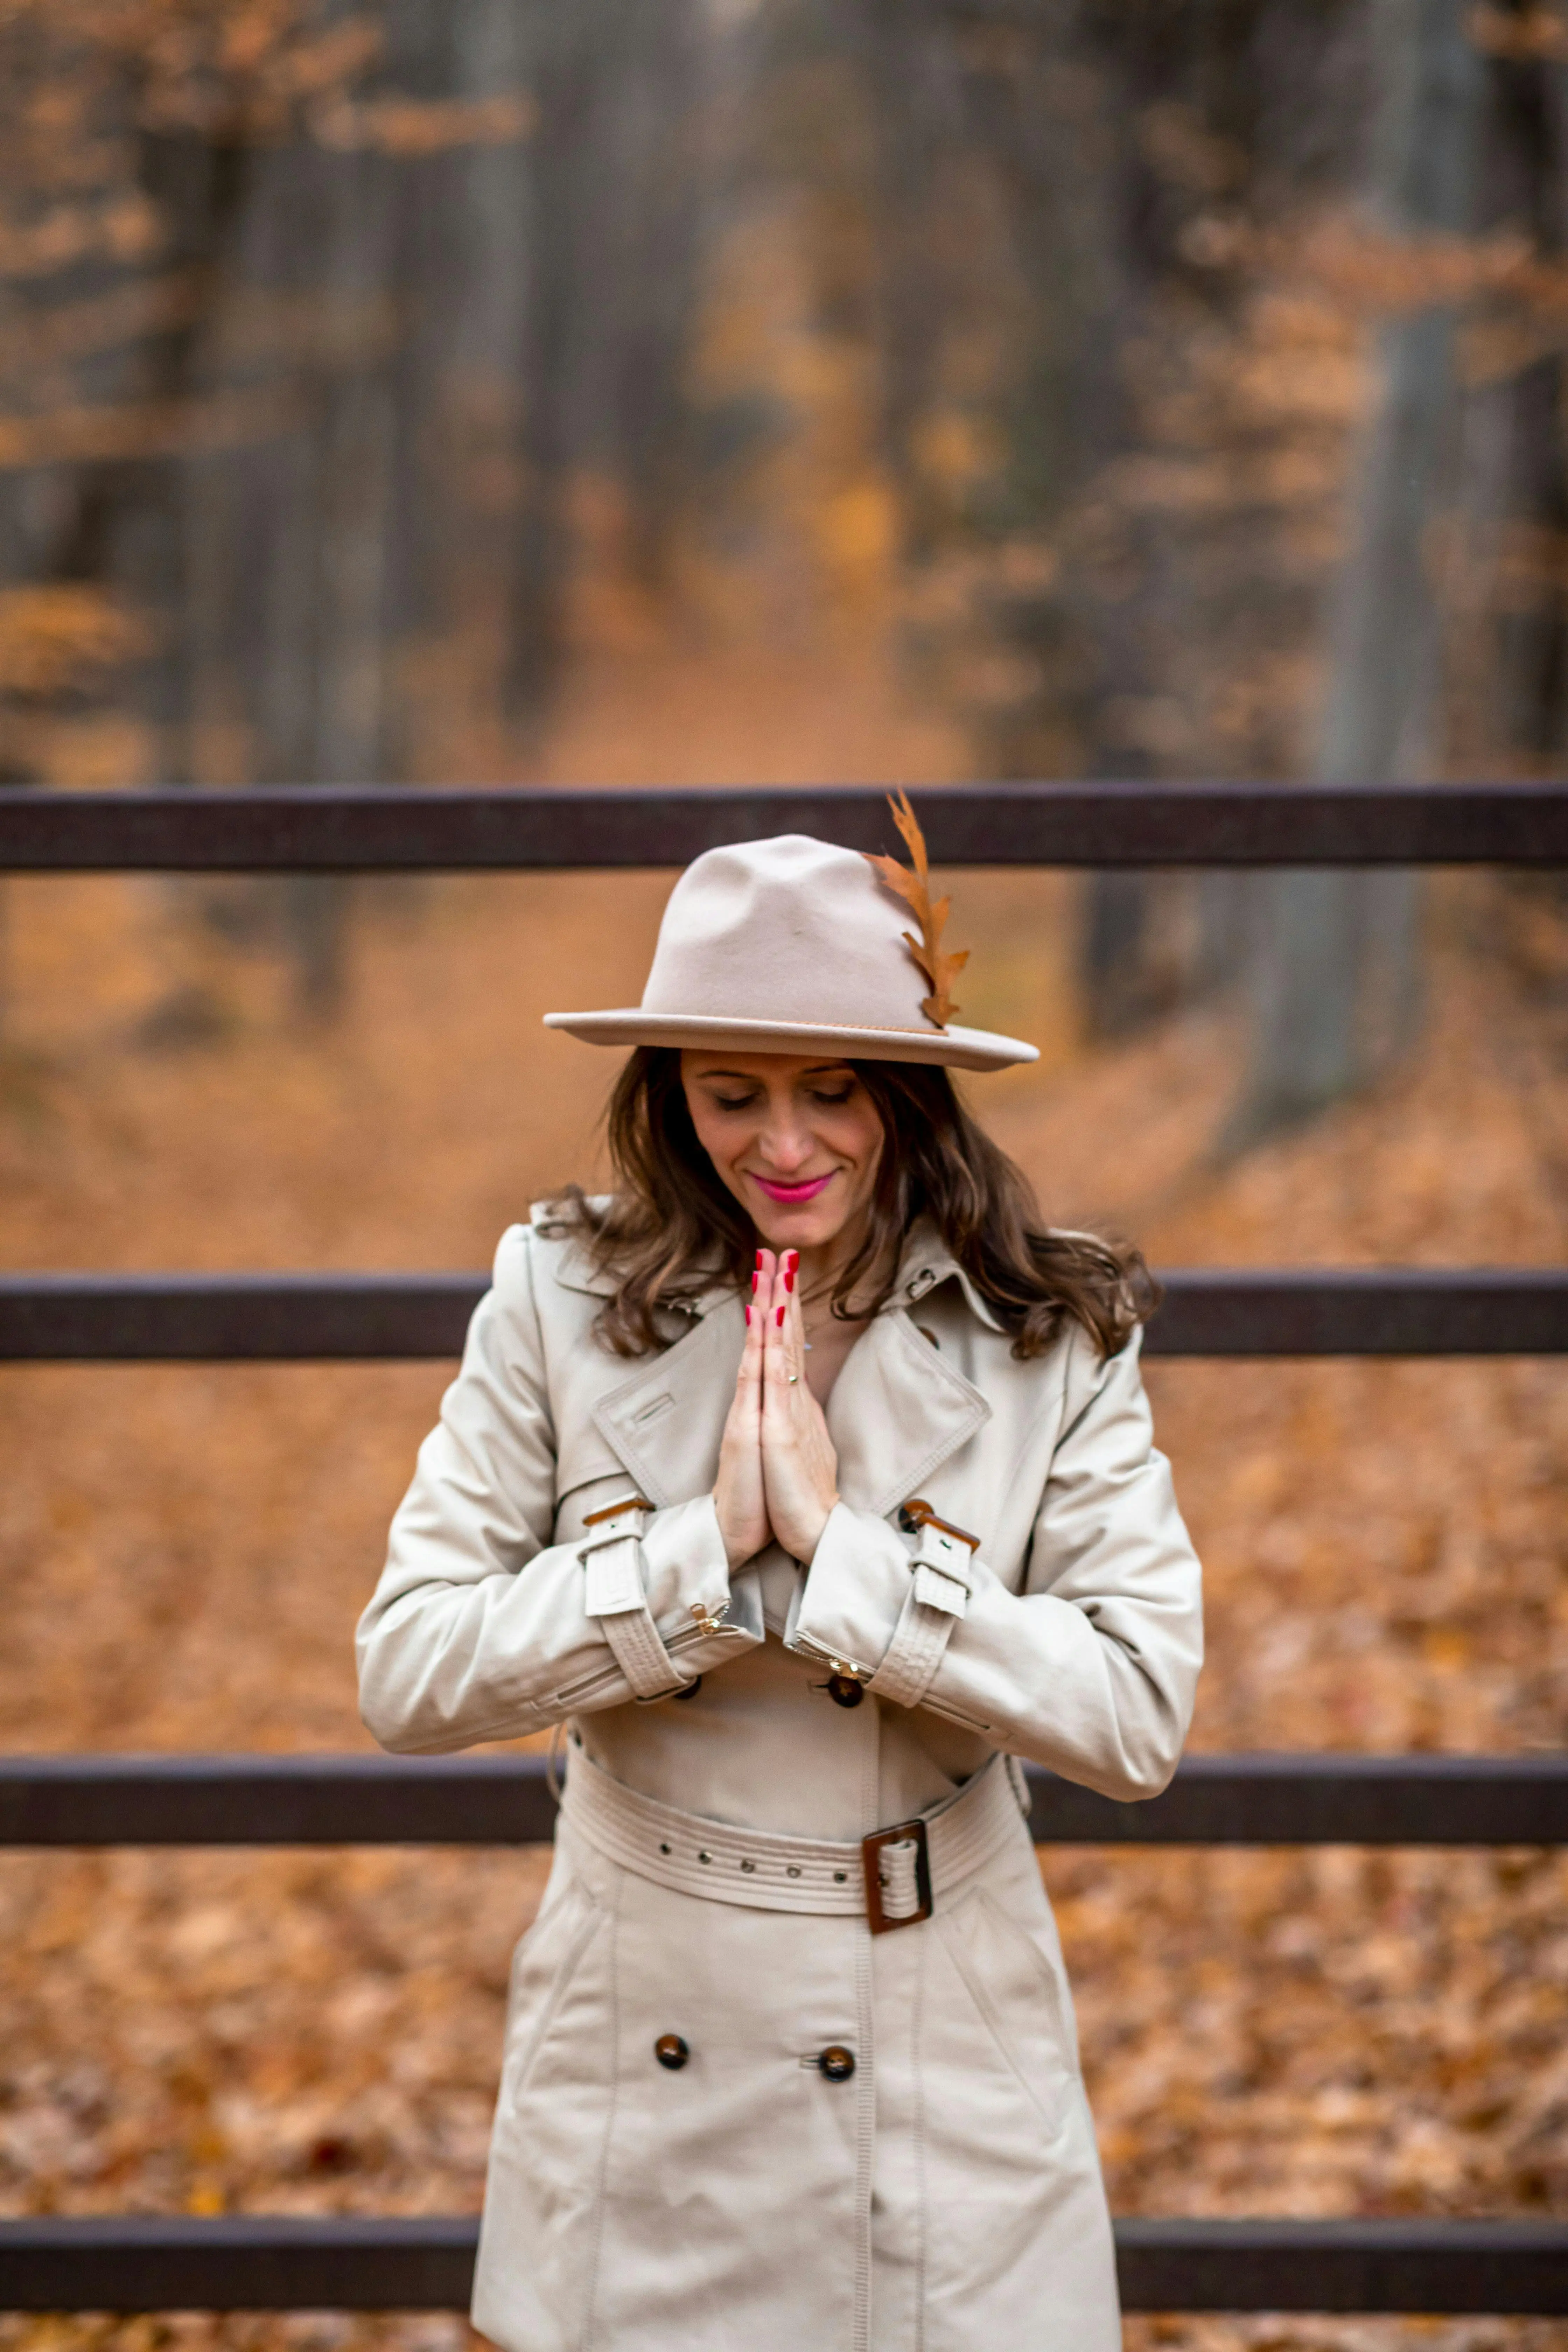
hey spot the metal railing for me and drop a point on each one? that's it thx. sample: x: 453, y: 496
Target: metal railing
x: 286, y: 2262
x: 350, y: 1318
x: 307, y: 828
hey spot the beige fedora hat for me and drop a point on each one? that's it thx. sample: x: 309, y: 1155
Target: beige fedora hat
x: 791, y: 945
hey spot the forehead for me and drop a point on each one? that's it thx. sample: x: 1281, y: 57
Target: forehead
x: 763, y: 1069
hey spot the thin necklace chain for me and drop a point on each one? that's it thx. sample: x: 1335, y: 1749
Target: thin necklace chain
x: 814, y: 1323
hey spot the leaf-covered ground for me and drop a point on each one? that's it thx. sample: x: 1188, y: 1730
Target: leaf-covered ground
x: 184, y: 1551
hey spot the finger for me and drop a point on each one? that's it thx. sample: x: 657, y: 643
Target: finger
x: 773, y: 1366
x: 756, y: 1312
x: 779, y: 1318
x: 782, y: 1368
x: 794, y: 1314
x: 754, y: 1309
x: 786, y: 1317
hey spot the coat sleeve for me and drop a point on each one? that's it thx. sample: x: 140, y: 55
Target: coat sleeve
x: 1092, y: 1668
x: 483, y: 1627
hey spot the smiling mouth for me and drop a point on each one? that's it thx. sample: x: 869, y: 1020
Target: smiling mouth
x: 807, y: 1191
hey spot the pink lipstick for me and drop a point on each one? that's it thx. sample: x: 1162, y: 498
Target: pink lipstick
x: 788, y: 1193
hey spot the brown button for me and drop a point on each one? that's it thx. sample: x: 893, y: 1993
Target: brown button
x: 671, y: 2052
x: 836, y: 2063
x: 844, y: 1690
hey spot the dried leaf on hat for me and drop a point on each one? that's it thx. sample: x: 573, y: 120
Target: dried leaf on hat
x: 941, y: 968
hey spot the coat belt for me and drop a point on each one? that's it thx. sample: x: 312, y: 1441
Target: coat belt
x: 894, y: 1878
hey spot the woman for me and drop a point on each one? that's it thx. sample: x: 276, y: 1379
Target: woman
x: 807, y: 1483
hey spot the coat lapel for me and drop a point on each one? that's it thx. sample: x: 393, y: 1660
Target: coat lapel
x: 897, y: 1411
x: 664, y: 1425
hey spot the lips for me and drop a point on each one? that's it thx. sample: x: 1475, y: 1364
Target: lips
x: 791, y: 1193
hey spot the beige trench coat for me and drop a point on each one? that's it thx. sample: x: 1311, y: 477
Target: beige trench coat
x: 947, y: 2198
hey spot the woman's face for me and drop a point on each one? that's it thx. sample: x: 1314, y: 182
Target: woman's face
x: 795, y: 1140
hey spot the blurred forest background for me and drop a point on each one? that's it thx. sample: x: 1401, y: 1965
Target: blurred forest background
x: 781, y: 391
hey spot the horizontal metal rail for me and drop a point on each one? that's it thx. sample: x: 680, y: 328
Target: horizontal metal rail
x: 351, y: 1800
x: 287, y: 2262
x: 292, y: 1318
x: 233, y: 1318
x: 304, y: 828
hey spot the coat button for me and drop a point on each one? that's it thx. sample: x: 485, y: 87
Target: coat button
x: 671, y: 2052
x: 844, y: 1690
x: 836, y: 2063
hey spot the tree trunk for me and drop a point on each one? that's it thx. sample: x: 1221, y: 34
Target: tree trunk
x: 1336, y: 959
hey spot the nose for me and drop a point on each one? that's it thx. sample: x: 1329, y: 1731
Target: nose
x: 785, y: 1142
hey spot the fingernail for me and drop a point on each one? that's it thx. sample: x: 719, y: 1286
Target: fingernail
x: 781, y: 1319
x: 759, y: 1261
x: 789, y: 1278
x: 793, y: 1257
x: 748, y: 1317
x: 755, y: 1279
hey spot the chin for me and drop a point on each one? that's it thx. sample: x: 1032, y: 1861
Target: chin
x: 782, y: 1227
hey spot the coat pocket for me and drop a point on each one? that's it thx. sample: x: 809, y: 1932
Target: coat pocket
x: 1017, y: 2247
x: 544, y: 1967
x: 536, y: 2242
x: 1013, y: 1996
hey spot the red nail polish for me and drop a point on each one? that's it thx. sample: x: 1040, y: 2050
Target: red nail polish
x: 781, y: 1319
x: 795, y: 1257
x: 755, y: 1279
x: 759, y: 1261
x: 789, y: 1279
x: 748, y: 1319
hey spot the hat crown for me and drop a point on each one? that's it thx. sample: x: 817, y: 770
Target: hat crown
x: 794, y: 946
x: 791, y: 929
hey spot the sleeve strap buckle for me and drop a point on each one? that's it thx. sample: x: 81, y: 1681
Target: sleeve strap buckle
x: 614, y: 1510
x: 917, y: 1513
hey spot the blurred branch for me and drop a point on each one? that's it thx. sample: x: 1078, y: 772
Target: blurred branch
x: 245, y: 74
x: 123, y: 229
x: 47, y: 334
x: 54, y: 636
x: 403, y: 126
x: 154, y: 428
x: 1522, y: 36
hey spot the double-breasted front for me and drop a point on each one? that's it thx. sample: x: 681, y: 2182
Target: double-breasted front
x: 941, y: 2190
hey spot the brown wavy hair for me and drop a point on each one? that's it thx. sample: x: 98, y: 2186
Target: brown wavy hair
x: 671, y: 1229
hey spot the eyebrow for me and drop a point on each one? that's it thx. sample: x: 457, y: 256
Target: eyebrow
x: 750, y: 1078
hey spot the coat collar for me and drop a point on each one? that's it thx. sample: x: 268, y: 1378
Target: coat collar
x: 899, y: 1409
x: 926, y: 1263
x: 575, y: 1269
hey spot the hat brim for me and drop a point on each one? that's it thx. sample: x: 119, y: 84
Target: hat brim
x: 961, y: 1049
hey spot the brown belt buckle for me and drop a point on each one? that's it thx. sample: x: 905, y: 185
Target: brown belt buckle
x: 870, y: 1849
